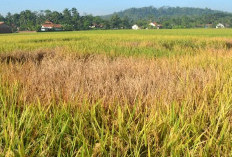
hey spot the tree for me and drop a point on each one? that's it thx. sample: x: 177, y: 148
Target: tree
x: 126, y: 23
x: 167, y: 25
x: 2, y: 18
x: 67, y: 17
x: 47, y: 14
x: 106, y: 25
x: 27, y: 20
x: 40, y: 18
x: 56, y: 17
x: 142, y: 23
x: 115, y: 22
x: 169, y: 17
x: 67, y: 27
x: 86, y: 22
x: 9, y: 19
x: 75, y: 19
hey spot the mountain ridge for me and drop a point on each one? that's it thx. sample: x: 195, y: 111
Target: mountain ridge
x: 153, y: 13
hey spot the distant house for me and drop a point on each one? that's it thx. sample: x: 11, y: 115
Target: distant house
x: 220, y: 26
x: 4, y: 28
x: 159, y: 26
x: 95, y: 25
x: 154, y: 24
x: 135, y: 27
x: 92, y: 26
x: 49, y: 26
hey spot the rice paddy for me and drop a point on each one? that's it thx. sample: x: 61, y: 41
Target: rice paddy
x: 116, y: 93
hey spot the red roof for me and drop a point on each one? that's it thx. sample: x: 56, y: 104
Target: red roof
x: 1, y: 23
x: 154, y: 23
x: 52, y: 25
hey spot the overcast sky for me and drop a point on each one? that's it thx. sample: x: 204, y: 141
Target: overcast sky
x: 103, y: 7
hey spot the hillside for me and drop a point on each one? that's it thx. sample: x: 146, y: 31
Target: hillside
x: 152, y: 12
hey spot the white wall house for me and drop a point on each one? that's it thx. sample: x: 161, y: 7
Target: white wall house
x: 153, y: 24
x: 47, y: 26
x: 135, y: 27
x: 220, y: 26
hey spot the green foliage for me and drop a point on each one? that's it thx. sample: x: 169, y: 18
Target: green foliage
x: 2, y: 18
x: 169, y: 17
x: 176, y: 17
x: 69, y: 18
x: 67, y: 27
x: 152, y: 13
x: 115, y: 22
x: 142, y: 23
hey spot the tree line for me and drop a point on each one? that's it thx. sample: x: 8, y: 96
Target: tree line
x: 176, y: 17
x: 152, y: 12
x: 71, y: 20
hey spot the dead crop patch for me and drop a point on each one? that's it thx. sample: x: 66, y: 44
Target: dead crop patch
x: 98, y: 77
x: 228, y: 44
x: 22, y: 57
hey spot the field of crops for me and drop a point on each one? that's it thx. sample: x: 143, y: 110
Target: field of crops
x: 116, y: 93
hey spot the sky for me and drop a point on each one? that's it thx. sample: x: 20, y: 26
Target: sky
x: 104, y: 7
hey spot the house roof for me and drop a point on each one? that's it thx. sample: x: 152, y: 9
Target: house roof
x: 1, y: 23
x: 52, y: 25
x: 154, y: 23
x: 220, y: 25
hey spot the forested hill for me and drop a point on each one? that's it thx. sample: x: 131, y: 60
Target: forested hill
x: 168, y: 17
x: 152, y: 12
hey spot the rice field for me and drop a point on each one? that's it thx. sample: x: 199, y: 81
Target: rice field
x: 116, y: 93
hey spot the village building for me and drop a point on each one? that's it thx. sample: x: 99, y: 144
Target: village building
x: 135, y: 27
x: 4, y: 28
x: 220, y: 26
x: 153, y: 24
x: 159, y: 26
x: 156, y: 25
x: 94, y: 25
x: 49, y: 26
